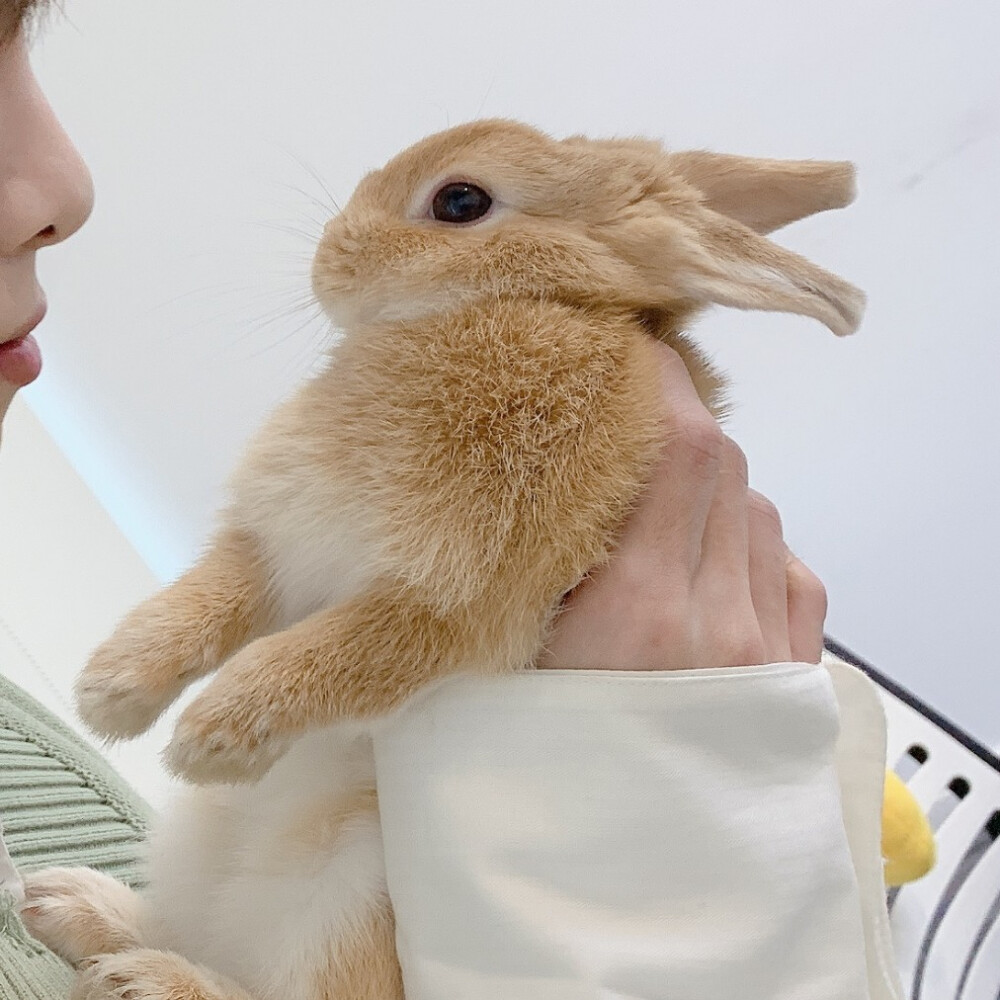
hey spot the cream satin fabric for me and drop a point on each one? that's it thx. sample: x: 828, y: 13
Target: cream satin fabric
x: 669, y: 836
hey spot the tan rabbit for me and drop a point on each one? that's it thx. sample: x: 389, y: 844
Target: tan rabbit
x: 417, y: 509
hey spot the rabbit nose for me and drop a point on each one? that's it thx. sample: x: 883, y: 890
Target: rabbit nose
x: 340, y: 237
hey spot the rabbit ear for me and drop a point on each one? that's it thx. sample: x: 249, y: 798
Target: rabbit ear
x: 696, y: 257
x: 734, y: 266
x: 766, y: 194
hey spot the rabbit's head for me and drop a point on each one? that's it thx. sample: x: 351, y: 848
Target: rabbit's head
x: 494, y: 209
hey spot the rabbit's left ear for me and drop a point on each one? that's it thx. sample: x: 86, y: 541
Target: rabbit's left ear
x: 766, y: 194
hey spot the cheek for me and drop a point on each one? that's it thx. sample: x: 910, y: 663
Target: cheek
x: 363, y: 272
x: 351, y: 266
x: 401, y: 251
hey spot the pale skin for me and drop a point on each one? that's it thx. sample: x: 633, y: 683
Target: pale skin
x: 701, y: 576
x: 46, y: 194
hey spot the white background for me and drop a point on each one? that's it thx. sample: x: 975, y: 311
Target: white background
x: 68, y: 575
x: 180, y: 314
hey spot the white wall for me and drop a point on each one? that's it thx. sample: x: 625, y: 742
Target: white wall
x: 68, y: 576
x: 177, y: 316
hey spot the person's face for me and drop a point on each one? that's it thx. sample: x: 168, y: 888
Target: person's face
x: 45, y: 196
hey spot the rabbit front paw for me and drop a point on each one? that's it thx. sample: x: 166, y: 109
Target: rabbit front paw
x: 207, y: 749
x: 234, y: 730
x: 122, y: 691
x: 115, y: 705
x: 131, y: 678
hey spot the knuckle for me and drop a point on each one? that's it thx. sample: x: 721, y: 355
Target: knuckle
x: 765, y: 510
x: 700, y: 442
x: 743, y: 647
x: 736, y: 459
x: 807, y: 586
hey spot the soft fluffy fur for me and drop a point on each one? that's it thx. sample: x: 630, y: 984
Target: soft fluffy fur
x: 417, y: 509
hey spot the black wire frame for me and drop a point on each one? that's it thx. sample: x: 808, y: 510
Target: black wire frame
x: 893, y: 687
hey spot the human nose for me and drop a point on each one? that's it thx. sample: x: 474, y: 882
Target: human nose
x: 46, y: 192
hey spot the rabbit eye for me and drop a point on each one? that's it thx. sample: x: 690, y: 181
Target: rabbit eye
x: 460, y: 202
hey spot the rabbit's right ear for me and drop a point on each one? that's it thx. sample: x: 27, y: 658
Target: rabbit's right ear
x: 765, y: 195
x: 697, y: 256
x: 732, y: 265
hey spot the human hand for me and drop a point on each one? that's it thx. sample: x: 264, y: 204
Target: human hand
x: 701, y: 576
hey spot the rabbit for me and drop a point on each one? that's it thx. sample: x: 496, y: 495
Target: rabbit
x: 482, y: 429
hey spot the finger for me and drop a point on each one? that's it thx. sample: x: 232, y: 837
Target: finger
x: 768, y: 576
x: 807, y: 606
x: 670, y: 518
x: 725, y: 546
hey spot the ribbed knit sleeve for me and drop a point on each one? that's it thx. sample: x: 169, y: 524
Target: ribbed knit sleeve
x: 28, y: 970
x: 61, y: 804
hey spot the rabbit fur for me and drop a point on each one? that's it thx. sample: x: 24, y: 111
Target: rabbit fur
x: 419, y: 508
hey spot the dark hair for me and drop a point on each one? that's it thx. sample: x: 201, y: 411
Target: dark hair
x: 18, y: 15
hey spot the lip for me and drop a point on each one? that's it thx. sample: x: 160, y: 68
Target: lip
x: 36, y: 318
x: 20, y: 359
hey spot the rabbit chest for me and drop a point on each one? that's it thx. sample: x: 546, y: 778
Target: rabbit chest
x: 440, y: 452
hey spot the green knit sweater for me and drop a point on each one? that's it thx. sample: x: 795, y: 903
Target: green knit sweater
x: 60, y: 804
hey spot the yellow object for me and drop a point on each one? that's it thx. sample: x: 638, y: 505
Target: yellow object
x: 907, y: 839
